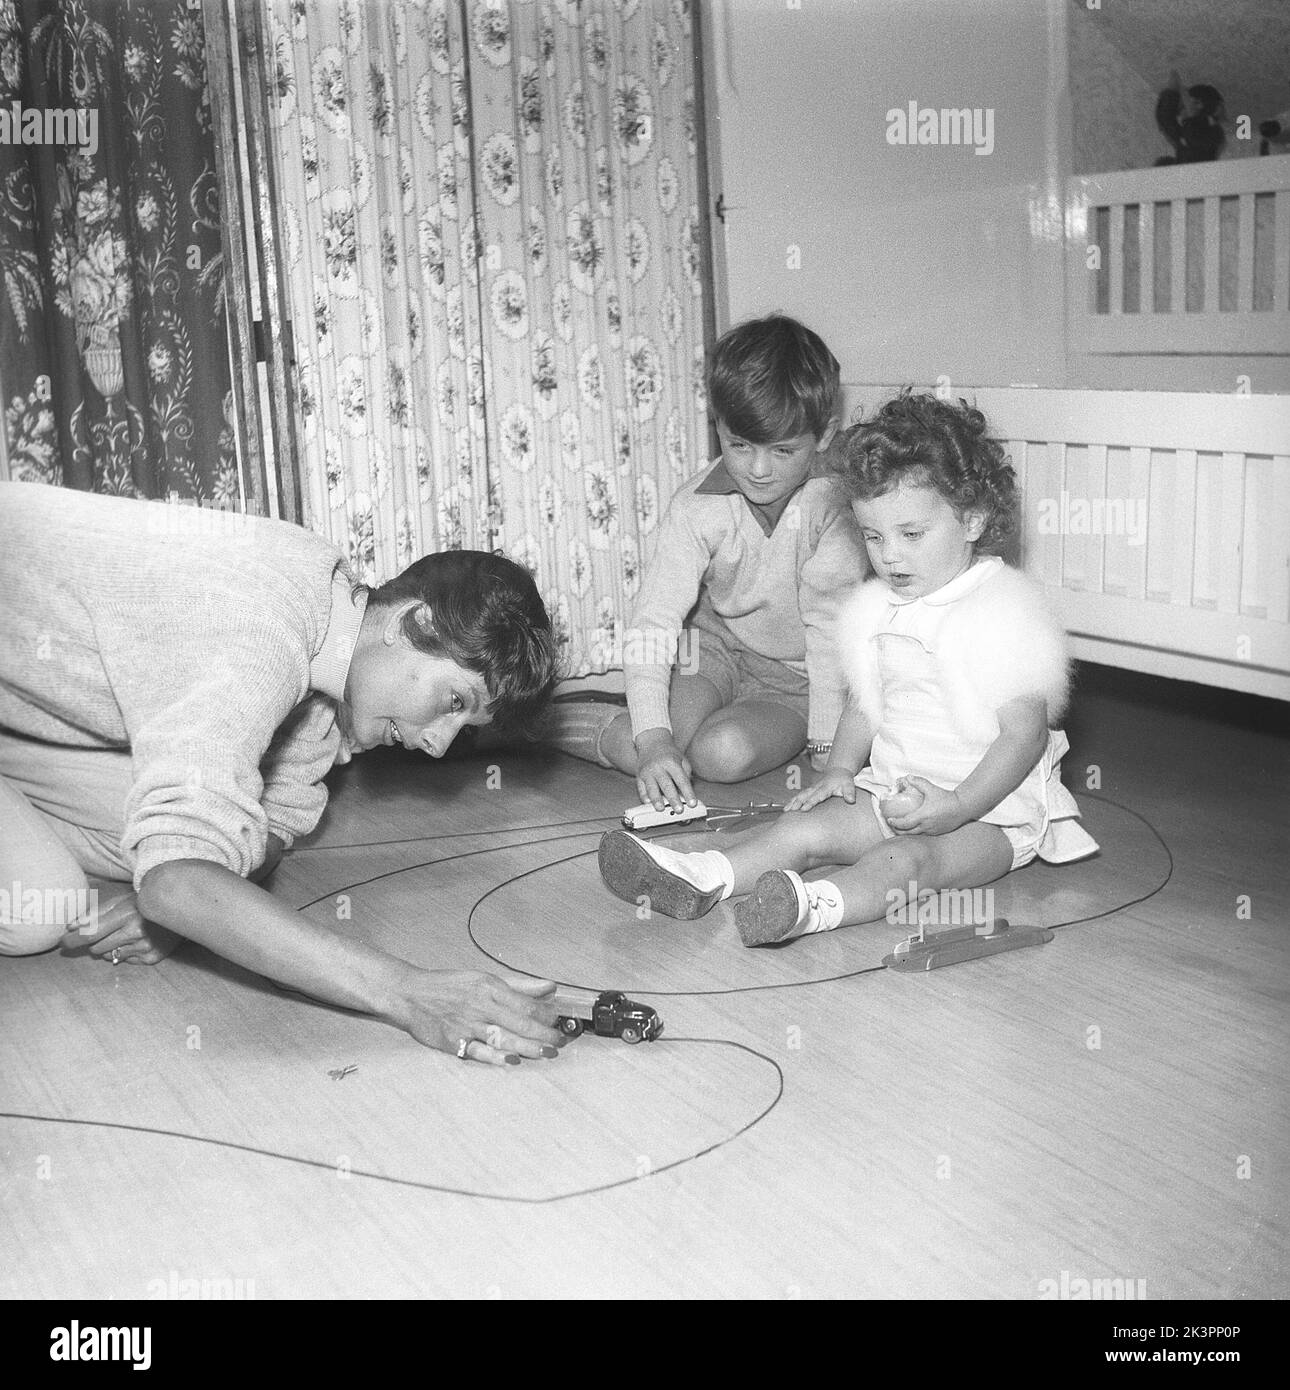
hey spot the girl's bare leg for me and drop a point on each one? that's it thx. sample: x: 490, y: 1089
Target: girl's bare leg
x: 831, y: 833
x: 688, y: 883
x: 880, y: 881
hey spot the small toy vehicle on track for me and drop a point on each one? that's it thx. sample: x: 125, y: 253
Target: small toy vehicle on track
x: 613, y: 1015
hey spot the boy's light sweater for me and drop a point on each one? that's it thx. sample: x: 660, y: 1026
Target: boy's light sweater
x: 192, y: 639
x: 773, y: 593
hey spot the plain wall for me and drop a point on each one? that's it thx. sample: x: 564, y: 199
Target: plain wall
x: 916, y: 262
x: 1113, y: 107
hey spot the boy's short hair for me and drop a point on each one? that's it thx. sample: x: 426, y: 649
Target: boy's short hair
x: 772, y: 379
x: 488, y: 618
x: 919, y: 439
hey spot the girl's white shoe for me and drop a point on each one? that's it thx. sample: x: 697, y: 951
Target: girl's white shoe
x: 783, y: 905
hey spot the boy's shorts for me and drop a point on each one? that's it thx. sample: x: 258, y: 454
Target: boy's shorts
x: 743, y: 675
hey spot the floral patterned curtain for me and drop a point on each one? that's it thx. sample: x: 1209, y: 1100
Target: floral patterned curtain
x: 492, y: 236
x: 113, y: 339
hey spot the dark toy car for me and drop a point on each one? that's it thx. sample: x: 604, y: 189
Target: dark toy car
x: 613, y: 1015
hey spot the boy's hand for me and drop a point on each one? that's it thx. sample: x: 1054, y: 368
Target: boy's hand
x: 838, y: 781
x: 662, y: 771
x: 940, y: 812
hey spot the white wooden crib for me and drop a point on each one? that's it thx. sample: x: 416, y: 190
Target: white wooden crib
x: 1182, y: 260
x: 1159, y: 523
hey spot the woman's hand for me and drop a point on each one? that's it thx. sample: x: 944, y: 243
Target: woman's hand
x: 662, y: 771
x: 119, y: 931
x: 939, y: 813
x: 837, y: 781
x: 499, y: 1020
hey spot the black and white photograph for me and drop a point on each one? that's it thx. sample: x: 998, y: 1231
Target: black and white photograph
x: 644, y: 655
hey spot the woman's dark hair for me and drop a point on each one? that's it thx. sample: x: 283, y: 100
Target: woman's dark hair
x: 489, y: 618
x: 773, y: 379
x: 927, y: 442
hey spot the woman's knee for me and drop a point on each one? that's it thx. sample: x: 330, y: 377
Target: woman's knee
x: 20, y: 936
x: 34, y: 917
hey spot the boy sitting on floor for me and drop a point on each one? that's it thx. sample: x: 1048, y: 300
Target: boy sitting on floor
x: 728, y: 659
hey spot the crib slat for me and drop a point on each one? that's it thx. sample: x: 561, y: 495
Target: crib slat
x: 1115, y: 307
x: 1245, y: 254
x: 1281, y: 253
x: 1134, y: 537
x: 1048, y: 461
x: 1208, y: 493
x: 1178, y: 256
x: 1146, y: 257
x: 1231, y: 521
x: 1074, y: 534
x: 1255, y: 512
x: 1276, y: 546
x: 1095, y: 545
x: 1116, y: 575
x: 1026, y: 528
x: 1183, y: 530
x: 1213, y: 264
x: 1161, y: 542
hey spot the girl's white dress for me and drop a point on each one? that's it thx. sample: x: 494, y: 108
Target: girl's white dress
x: 930, y: 673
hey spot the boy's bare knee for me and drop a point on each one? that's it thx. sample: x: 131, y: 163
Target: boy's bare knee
x: 723, y: 752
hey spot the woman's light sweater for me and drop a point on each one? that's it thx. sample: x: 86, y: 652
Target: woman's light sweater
x: 199, y: 642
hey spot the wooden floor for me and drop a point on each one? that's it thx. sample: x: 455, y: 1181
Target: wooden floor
x: 1112, y: 1105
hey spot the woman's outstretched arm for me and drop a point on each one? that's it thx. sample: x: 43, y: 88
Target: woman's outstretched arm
x: 209, y: 904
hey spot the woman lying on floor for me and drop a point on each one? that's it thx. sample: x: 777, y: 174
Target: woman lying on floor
x: 170, y: 701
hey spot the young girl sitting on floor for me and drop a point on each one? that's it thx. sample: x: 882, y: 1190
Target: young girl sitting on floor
x: 957, y: 671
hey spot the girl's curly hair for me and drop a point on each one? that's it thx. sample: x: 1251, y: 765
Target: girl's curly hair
x: 927, y: 442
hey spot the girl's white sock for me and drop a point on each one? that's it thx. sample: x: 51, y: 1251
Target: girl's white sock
x: 824, y: 906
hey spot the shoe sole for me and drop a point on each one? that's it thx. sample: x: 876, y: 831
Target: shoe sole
x: 631, y: 873
x: 771, y: 912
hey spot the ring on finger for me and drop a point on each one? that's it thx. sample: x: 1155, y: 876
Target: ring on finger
x: 462, y: 1045
x: 115, y: 957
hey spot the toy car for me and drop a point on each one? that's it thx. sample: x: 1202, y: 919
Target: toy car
x: 613, y: 1015
x: 644, y: 816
